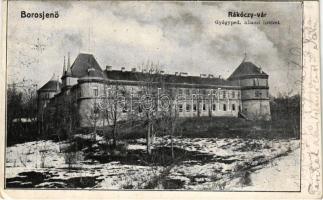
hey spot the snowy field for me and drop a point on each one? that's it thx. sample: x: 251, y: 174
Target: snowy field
x: 200, y: 164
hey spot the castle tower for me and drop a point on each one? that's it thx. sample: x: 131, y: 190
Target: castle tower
x: 46, y: 92
x: 91, y: 83
x: 254, y: 90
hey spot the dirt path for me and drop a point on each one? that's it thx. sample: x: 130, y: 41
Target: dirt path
x: 282, y: 174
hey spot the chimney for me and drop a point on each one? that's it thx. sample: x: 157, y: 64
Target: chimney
x: 134, y: 69
x: 220, y: 77
x: 203, y: 75
x: 123, y: 69
x: 183, y: 73
x: 260, y: 69
x: 108, y: 68
x: 176, y: 73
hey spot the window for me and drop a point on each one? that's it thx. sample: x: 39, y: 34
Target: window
x: 254, y: 82
x: 187, y: 91
x: 215, y: 93
x: 233, y: 94
x: 193, y: 91
x: 258, y: 93
x: 266, y: 81
x: 233, y: 107
x: 180, y: 108
x: 213, y: 107
x: 188, y: 107
x: 204, y: 92
x: 267, y: 93
x: 224, y: 94
x: 224, y: 107
x: 95, y: 91
x: 139, y: 109
x: 180, y: 91
x: 204, y: 106
x: 194, y: 108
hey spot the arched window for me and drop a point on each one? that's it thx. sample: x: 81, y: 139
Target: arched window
x: 224, y: 107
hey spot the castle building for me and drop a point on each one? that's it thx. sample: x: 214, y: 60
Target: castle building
x: 74, y: 100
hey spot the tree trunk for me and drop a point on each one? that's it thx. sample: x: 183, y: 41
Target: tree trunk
x: 148, y: 139
x: 114, y: 135
x: 152, y: 134
x: 172, y: 138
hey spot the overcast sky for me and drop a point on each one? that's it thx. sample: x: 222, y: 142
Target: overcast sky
x: 181, y: 36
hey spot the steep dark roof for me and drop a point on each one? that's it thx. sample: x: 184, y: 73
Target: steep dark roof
x: 167, y: 78
x: 247, y: 68
x: 82, y: 63
x: 51, y: 85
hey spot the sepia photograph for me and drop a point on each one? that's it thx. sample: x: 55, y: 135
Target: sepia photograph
x: 154, y: 95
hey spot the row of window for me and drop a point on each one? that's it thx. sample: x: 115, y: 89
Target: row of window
x: 213, y: 107
x: 224, y: 93
x: 258, y: 93
x: 189, y: 108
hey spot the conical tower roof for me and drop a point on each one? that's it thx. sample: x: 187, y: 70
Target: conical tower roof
x: 83, y: 64
x: 52, y: 85
x: 247, y: 68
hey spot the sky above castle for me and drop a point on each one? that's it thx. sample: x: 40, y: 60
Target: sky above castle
x: 180, y: 36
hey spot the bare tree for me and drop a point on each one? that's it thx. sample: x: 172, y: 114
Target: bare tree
x: 151, y: 79
x: 112, y: 106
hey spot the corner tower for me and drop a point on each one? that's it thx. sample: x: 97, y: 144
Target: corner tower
x: 254, y: 91
x: 46, y: 92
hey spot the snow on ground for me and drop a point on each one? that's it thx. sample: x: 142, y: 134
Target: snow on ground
x: 270, y: 177
x: 201, y: 164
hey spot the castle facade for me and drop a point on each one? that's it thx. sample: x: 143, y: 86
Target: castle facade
x: 77, y: 99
